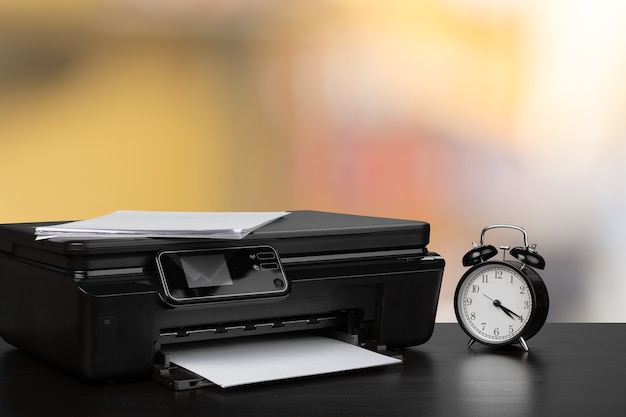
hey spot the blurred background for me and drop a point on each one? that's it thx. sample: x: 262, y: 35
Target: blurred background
x: 461, y: 113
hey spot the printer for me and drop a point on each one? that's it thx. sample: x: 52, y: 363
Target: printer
x: 106, y: 309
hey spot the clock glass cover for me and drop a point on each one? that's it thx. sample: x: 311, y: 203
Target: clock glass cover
x: 495, y: 302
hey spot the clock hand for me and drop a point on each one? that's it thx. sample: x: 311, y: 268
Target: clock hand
x: 510, y: 313
x: 506, y: 310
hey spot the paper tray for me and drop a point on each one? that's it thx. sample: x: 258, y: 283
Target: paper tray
x: 252, y: 360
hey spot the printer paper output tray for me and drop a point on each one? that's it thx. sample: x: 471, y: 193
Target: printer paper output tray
x: 104, y: 310
x: 173, y: 376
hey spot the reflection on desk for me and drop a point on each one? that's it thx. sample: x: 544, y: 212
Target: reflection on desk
x: 571, y: 370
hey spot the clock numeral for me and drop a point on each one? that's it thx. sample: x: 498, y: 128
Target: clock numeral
x: 473, y: 315
x: 485, y: 278
x: 468, y: 301
x: 510, y: 329
x: 498, y: 275
x: 482, y: 326
x: 496, y: 332
x: 522, y: 289
x: 475, y: 288
x: 526, y: 305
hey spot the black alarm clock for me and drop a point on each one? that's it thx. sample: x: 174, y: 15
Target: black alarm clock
x: 501, y: 302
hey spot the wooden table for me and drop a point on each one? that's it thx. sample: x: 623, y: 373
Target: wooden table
x: 571, y: 370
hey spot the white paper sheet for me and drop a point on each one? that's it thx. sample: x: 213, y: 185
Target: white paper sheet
x: 241, y: 361
x: 132, y: 223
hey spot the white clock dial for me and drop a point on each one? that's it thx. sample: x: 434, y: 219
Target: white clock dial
x: 495, y: 302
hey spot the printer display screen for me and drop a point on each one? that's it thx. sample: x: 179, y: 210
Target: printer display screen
x: 190, y: 276
x: 206, y: 271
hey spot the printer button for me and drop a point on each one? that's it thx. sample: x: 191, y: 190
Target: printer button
x: 269, y: 266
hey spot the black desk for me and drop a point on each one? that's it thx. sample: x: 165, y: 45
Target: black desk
x: 571, y: 370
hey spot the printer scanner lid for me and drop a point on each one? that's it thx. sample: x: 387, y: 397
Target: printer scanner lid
x: 297, y: 234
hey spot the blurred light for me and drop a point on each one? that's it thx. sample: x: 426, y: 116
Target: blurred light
x: 459, y: 113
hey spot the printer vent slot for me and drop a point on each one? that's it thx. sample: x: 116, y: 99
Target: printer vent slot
x: 278, y: 325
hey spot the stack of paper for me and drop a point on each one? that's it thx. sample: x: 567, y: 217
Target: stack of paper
x: 132, y: 224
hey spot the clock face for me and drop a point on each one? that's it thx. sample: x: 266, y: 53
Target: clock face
x: 494, y: 303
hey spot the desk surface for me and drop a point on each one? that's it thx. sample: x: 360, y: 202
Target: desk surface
x: 571, y: 370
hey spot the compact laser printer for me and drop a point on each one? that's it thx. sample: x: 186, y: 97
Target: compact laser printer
x: 106, y: 309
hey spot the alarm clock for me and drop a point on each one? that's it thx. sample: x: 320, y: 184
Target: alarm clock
x: 501, y: 302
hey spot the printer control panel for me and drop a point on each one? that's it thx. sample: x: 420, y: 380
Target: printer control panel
x: 192, y: 276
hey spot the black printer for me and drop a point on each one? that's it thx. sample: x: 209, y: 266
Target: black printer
x: 106, y: 309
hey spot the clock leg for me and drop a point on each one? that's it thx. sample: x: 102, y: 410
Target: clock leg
x: 522, y: 342
x: 470, y: 343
